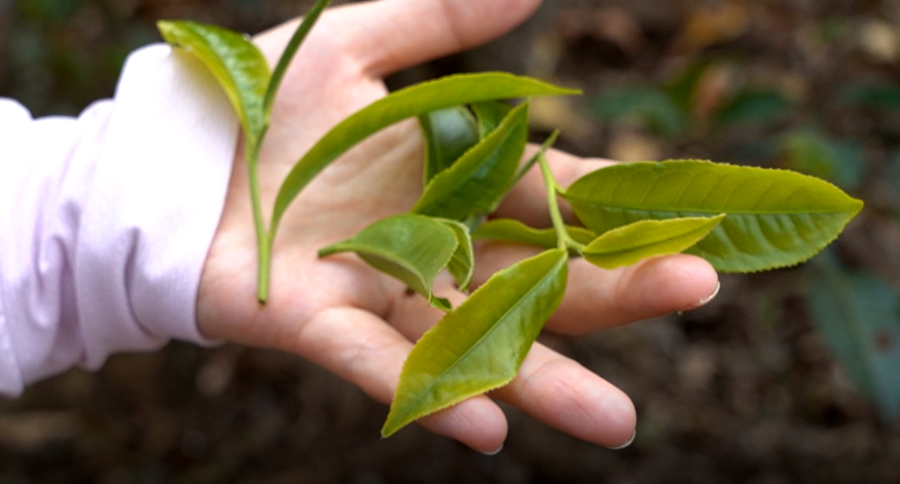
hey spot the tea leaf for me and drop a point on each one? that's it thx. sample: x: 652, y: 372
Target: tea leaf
x: 480, y: 345
x: 481, y: 176
x: 774, y: 218
x: 859, y: 317
x: 449, y: 133
x: 236, y: 63
x: 631, y: 243
x: 411, y: 248
x: 289, y: 51
x: 512, y: 230
x: 462, y: 264
x: 489, y: 114
x: 411, y: 101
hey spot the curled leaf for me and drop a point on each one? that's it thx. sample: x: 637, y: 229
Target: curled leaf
x: 631, y: 243
x: 489, y: 114
x: 774, y: 218
x: 481, y: 344
x: 449, y: 133
x: 411, y: 248
x: 462, y: 264
x: 481, y: 177
x: 236, y: 63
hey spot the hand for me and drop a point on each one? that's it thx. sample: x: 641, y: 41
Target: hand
x: 361, y: 324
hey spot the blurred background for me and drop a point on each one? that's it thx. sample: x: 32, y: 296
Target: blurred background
x: 788, y: 376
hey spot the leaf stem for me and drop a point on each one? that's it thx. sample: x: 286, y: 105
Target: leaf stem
x: 263, y: 246
x: 564, y: 240
x: 546, y: 145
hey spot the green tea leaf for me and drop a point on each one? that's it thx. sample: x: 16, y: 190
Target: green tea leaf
x: 512, y: 230
x: 449, y: 133
x: 775, y: 218
x: 411, y: 248
x: 411, y: 101
x: 236, y: 63
x: 462, y: 264
x: 481, y: 345
x: 481, y: 177
x: 489, y: 114
x: 289, y: 51
x: 859, y: 318
x: 636, y: 241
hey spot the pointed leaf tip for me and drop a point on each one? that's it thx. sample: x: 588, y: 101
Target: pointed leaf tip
x: 480, y: 345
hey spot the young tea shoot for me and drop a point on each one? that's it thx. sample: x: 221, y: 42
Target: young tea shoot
x: 740, y: 219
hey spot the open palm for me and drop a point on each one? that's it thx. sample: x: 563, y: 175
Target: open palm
x: 360, y: 324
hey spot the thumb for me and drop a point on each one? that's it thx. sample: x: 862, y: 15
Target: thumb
x: 390, y: 35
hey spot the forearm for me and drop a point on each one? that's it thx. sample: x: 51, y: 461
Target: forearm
x: 105, y: 220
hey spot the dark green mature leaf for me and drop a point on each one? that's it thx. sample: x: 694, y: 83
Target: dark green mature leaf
x: 480, y: 178
x: 881, y: 96
x: 648, y: 106
x: 462, y: 264
x: 411, y: 248
x: 811, y: 152
x: 775, y: 218
x: 236, y: 63
x: 412, y: 101
x: 449, y: 133
x: 759, y: 108
x: 481, y: 345
x: 631, y: 243
x: 859, y: 317
x: 512, y: 230
x: 489, y: 115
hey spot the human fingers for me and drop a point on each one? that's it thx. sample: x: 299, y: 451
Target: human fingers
x: 527, y: 200
x: 389, y: 35
x: 565, y: 395
x: 364, y: 350
x: 554, y: 389
x: 598, y: 298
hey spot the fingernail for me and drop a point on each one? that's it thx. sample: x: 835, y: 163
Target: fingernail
x: 709, y: 298
x: 626, y: 444
x: 494, y: 452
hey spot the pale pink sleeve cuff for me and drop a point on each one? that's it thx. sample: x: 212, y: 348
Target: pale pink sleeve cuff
x: 105, y: 220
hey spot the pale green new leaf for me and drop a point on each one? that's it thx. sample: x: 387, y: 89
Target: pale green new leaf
x: 234, y: 61
x: 512, y: 230
x: 480, y: 178
x: 481, y: 344
x: 412, y: 248
x: 448, y: 133
x: 408, y: 102
x: 462, y: 264
x: 774, y: 218
x: 636, y: 241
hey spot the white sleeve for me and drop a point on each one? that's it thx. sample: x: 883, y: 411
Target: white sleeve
x: 105, y: 220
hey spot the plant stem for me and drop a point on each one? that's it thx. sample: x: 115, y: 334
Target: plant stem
x: 263, y: 246
x: 531, y: 161
x: 564, y: 240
